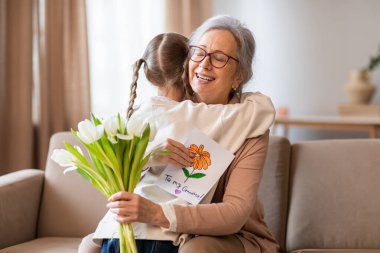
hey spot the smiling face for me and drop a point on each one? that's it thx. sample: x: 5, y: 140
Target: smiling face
x: 213, y: 85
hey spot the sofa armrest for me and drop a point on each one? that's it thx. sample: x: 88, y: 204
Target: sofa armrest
x: 20, y: 195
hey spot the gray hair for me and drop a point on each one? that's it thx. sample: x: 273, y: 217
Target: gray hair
x: 245, y: 42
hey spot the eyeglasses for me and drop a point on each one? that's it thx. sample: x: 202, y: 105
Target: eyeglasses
x: 217, y: 59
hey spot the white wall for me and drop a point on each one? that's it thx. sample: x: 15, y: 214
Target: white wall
x: 305, y: 50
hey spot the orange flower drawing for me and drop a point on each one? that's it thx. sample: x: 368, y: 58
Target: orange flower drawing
x: 202, y: 158
x: 201, y: 161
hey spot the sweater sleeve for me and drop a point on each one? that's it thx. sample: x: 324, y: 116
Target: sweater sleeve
x: 240, y: 190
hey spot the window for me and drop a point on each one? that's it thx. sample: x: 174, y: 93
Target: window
x: 118, y: 32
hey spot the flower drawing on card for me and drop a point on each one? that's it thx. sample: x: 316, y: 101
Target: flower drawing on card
x: 201, y: 161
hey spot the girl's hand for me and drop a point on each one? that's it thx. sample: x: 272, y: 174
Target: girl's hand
x: 179, y: 155
x: 131, y: 207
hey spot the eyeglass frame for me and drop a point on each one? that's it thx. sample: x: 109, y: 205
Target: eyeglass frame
x: 209, y: 55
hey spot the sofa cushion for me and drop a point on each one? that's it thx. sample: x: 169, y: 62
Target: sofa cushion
x: 71, y: 206
x: 334, y: 195
x: 273, y: 191
x: 46, y: 245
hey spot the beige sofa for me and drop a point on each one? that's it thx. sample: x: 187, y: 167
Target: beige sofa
x: 319, y: 196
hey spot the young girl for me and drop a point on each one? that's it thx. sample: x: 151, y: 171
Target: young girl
x: 163, y: 62
x: 229, y: 125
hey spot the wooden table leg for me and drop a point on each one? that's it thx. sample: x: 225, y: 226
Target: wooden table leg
x: 373, y: 132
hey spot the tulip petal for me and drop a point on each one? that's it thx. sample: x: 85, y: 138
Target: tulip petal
x: 63, y: 157
x: 124, y: 137
x: 79, y: 149
x: 99, y: 132
x: 111, y: 126
x: 88, y: 132
x: 69, y: 169
x: 112, y: 139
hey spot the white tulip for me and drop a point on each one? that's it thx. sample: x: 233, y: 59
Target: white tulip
x: 111, y: 126
x: 134, y: 126
x: 88, y: 132
x: 65, y: 159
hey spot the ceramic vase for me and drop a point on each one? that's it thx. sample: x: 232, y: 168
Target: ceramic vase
x: 359, y: 88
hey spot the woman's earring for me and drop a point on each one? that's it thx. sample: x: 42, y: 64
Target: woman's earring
x: 236, y: 92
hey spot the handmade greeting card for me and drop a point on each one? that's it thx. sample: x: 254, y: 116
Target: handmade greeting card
x: 193, y: 183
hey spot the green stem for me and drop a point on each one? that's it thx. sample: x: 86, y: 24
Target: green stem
x: 127, y: 239
x: 189, y: 175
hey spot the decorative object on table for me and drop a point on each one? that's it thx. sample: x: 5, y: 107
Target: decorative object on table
x: 359, y: 110
x: 117, y: 156
x: 359, y: 87
x: 282, y: 111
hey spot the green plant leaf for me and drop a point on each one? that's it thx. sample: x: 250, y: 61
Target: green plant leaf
x: 98, y: 165
x: 126, y: 164
x: 120, y: 130
x: 186, y: 172
x: 198, y: 175
x: 139, y: 153
x: 83, y: 174
x: 95, y: 120
x: 76, y: 153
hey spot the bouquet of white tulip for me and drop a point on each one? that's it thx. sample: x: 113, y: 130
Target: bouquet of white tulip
x: 116, y: 149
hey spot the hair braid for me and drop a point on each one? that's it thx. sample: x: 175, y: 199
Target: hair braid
x: 133, y: 94
x: 189, y: 93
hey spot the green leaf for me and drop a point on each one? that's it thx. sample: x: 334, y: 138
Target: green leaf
x: 94, y: 149
x: 126, y: 164
x: 198, y: 175
x: 139, y: 153
x: 76, y: 153
x: 83, y: 174
x: 137, y: 175
x: 95, y: 120
x: 120, y: 130
x: 111, y: 179
x: 144, y: 161
x: 98, y: 165
x: 87, y: 175
x: 186, y: 172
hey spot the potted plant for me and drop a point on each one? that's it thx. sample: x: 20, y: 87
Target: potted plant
x: 373, y: 62
x: 359, y: 88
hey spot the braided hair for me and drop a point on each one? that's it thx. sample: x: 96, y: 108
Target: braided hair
x: 163, y: 62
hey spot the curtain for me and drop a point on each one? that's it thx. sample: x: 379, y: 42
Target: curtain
x: 63, y: 70
x: 16, y: 81
x: 43, y: 88
x: 183, y: 16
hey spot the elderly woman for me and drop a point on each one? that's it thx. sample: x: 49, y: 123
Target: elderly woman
x: 221, y: 54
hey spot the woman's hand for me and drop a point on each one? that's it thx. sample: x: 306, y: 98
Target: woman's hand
x: 179, y: 155
x: 131, y: 207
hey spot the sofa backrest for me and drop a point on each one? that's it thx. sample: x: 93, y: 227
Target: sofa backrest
x: 334, y: 195
x: 273, y: 191
x: 70, y: 206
